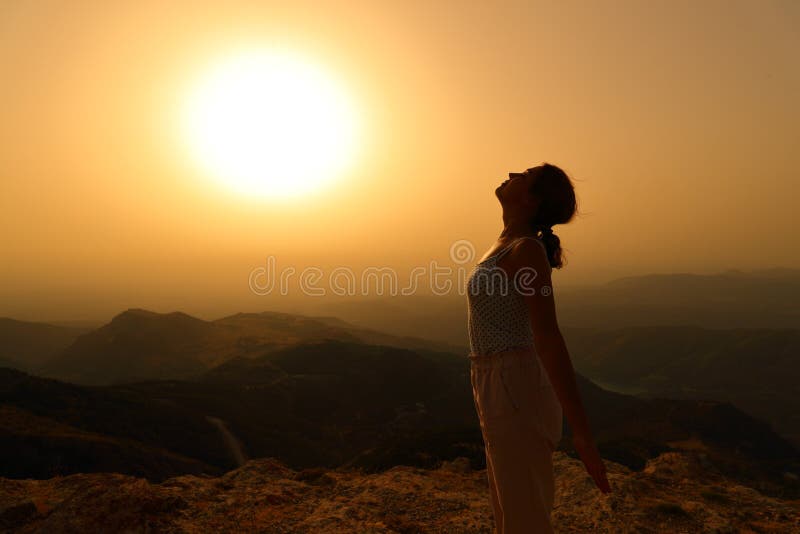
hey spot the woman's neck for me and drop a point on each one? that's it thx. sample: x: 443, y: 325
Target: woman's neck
x: 515, y: 226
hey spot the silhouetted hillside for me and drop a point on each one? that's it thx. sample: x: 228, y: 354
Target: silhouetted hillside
x: 756, y: 369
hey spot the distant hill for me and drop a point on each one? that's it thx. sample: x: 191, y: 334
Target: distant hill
x: 339, y: 403
x: 136, y: 345
x: 756, y: 299
x: 438, y: 318
x: 756, y: 369
x: 26, y: 345
x: 143, y: 345
x: 733, y: 299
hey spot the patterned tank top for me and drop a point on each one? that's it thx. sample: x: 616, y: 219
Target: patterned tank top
x: 498, y: 316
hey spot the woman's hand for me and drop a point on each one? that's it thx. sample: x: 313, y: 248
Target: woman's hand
x: 587, y: 450
x: 552, y: 349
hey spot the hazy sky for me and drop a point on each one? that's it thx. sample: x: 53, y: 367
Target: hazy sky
x: 678, y: 122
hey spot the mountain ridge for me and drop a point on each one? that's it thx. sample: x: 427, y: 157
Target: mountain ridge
x: 139, y: 344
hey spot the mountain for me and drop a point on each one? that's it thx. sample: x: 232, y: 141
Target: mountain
x: 675, y: 492
x: 732, y: 299
x: 631, y: 430
x: 755, y: 299
x: 143, y: 345
x: 756, y: 369
x: 338, y: 403
x: 26, y: 346
x: 137, y: 345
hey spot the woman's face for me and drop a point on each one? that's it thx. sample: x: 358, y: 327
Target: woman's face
x: 517, y: 188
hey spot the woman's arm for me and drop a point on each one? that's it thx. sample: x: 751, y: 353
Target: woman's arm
x: 528, y: 269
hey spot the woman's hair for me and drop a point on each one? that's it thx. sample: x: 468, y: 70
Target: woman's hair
x: 558, y: 206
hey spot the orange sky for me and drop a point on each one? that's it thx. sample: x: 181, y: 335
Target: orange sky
x: 678, y: 122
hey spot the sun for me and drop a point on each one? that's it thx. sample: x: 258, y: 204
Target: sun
x: 270, y: 123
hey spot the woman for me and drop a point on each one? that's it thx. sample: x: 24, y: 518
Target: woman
x: 519, y: 365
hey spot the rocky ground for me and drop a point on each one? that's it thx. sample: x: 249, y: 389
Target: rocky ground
x: 674, y: 493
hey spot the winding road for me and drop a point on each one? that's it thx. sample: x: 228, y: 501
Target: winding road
x: 232, y: 442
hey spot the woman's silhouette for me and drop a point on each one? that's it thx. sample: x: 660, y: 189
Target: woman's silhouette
x: 520, y: 369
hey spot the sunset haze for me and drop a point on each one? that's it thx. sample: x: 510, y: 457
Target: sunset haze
x: 677, y: 121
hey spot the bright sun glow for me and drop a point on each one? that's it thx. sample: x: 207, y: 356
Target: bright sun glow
x: 271, y: 124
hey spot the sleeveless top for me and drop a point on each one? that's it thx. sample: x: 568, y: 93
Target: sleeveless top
x: 498, y: 316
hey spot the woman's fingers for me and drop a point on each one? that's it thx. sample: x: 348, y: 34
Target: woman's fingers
x: 593, y: 462
x: 599, y: 476
x: 597, y: 470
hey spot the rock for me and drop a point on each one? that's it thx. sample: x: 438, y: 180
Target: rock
x: 317, y: 476
x: 16, y: 515
x: 458, y: 465
x: 673, y: 494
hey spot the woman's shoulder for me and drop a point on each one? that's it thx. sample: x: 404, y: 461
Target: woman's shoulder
x: 529, y: 251
x: 525, y: 243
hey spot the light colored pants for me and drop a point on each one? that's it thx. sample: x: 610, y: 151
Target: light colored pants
x: 521, y: 422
